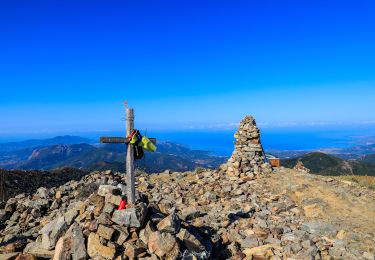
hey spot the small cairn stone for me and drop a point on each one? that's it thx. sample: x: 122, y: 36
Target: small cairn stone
x: 300, y: 167
x: 248, y: 158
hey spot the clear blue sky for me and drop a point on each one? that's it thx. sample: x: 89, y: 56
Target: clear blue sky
x: 67, y: 65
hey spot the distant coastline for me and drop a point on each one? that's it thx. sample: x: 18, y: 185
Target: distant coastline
x: 220, y: 142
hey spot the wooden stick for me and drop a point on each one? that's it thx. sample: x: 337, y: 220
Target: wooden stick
x: 130, y: 179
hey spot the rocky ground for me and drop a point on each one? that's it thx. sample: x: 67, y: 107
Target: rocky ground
x: 288, y: 214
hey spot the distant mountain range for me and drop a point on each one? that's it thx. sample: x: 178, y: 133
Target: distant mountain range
x: 325, y: 164
x: 358, y: 152
x: 35, y: 143
x: 82, y: 153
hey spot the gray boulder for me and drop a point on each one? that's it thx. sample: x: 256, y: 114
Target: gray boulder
x: 52, y: 232
x: 130, y: 217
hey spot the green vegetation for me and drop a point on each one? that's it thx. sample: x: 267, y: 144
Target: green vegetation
x: 366, y: 181
x: 369, y: 159
x: 324, y: 164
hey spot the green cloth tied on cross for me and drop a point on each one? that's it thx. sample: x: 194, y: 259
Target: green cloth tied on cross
x: 147, y: 144
x: 144, y: 142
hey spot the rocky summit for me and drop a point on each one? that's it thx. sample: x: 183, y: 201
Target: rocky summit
x: 255, y: 213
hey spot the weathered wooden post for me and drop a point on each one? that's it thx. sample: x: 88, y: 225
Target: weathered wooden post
x: 129, y: 162
x: 130, y: 179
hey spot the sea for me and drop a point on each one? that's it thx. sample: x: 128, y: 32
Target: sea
x: 220, y: 142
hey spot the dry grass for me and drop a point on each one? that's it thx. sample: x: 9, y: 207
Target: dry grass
x: 366, y: 181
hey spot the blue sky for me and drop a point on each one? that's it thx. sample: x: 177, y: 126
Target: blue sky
x: 66, y: 66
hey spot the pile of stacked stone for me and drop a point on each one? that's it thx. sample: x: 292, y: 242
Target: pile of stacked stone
x: 301, y: 167
x: 248, y: 158
x: 81, y: 220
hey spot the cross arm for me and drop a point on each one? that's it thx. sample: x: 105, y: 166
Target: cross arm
x: 114, y: 140
x: 119, y: 140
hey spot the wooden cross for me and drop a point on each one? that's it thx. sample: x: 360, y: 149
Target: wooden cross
x: 130, y: 179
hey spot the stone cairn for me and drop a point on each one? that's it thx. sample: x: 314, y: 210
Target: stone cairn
x: 248, y: 158
x: 301, y: 167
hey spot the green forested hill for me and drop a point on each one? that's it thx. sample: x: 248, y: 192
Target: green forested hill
x: 324, y: 164
x: 368, y: 159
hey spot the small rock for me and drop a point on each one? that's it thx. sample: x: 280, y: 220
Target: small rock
x: 37, y: 250
x: 62, y: 248
x: 130, y: 217
x: 145, y: 233
x: 210, y: 195
x: 58, y: 195
x: 170, y: 224
x: 36, y: 213
x: 120, y: 234
x: 313, y: 210
x: 163, y: 245
x: 96, y: 249
x: 25, y: 257
x: 189, y: 213
x: 78, y: 247
x: 289, y: 237
x: 70, y: 215
x: 260, y: 251
x: 105, y: 232
x: 108, y: 189
x: 249, y: 242
x: 42, y: 192
x: 133, y: 251
x: 341, y: 234
x: 8, y: 256
x: 337, y: 251
x: 108, y: 208
x: 190, y: 241
x: 104, y: 219
x: 113, y: 199
x: 319, y: 228
x: 167, y: 172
